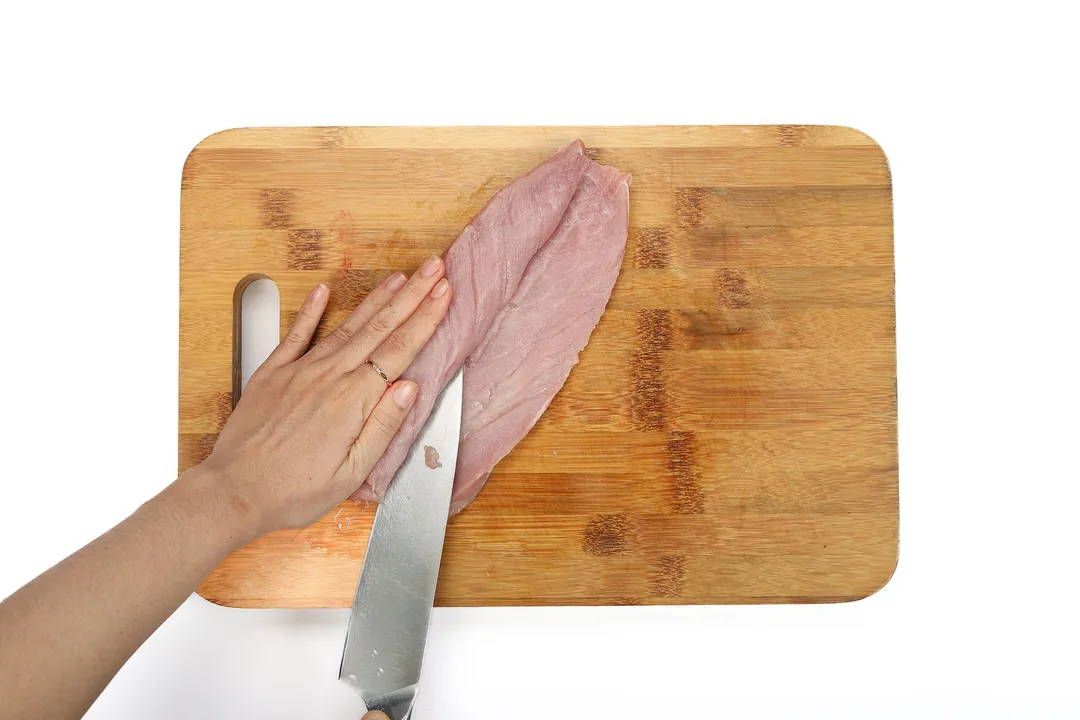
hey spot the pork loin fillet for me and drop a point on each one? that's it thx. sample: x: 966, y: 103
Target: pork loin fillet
x: 532, y: 274
x: 527, y: 355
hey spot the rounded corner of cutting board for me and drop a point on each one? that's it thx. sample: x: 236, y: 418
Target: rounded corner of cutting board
x: 216, y: 139
x: 221, y: 590
x: 211, y: 596
x: 879, y: 582
x: 863, y: 138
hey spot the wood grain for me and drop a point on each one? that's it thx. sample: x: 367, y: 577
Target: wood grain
x: 729, y: 435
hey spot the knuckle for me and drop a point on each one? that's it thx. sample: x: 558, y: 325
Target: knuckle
x: 383, y: 423
x: 343, y: 393
x: 291, y: 339
x: 312, y: 375
x: 339, y: 335
x: 304, y: 316
x: 298, y: 382
x: 333, y: 391
x: 426, y: 309
x: 381, y: 324
x: 305, y: 320
x: 397, y: 342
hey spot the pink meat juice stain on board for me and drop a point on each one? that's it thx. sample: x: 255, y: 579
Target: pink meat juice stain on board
x: 431, y: 457
x: 346, y: 232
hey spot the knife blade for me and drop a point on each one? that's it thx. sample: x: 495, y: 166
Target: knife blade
x: 384, y: 645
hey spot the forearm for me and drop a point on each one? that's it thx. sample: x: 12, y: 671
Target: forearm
x: 64, y: 636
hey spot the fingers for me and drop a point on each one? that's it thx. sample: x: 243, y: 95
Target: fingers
x: 375, y: 715
x: 378, y: 431
x: 398, y: 350
x: 296, y: 341
x: 392, y: 315
x: 360, y: 315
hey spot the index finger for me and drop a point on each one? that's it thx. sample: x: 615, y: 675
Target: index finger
x: 390, y: 316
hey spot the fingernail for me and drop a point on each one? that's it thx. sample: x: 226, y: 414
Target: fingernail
x: 440, y: 288
x: 319, y: 291
x: 430, y: 266
x: 404, y: 394
x: 396, y: 281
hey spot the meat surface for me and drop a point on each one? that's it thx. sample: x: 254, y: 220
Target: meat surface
x: 528, y: 353
x: 532, y: 274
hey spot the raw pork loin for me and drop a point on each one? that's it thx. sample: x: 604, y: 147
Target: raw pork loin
x: 532, y: 274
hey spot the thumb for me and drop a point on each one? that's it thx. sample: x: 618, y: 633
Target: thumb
x: 375, y: 715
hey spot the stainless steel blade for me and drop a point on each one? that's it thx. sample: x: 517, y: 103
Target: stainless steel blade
x: 384, y: 647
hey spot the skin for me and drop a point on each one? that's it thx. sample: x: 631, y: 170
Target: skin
x: 311, y: 424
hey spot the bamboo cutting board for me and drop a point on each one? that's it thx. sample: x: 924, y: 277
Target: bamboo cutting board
x: 730, y: 433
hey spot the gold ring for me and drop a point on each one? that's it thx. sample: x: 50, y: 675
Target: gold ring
x: 378, y: 369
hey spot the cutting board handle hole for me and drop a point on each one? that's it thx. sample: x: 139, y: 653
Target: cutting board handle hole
x: 256, y: 327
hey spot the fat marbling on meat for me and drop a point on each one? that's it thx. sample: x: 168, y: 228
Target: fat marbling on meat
x: 532, y: 274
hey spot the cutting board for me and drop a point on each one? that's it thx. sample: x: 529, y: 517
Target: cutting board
x: 729, y: 435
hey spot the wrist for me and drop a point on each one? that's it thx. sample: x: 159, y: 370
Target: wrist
x: 207, y: 492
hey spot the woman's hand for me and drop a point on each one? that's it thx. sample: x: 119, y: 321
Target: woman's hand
x: 313, y: 422
x: 308, y: 430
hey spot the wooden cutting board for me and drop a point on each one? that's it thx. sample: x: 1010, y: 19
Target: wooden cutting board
x: 730, y: 433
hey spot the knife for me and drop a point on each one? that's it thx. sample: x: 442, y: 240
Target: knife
x: 384, y: 646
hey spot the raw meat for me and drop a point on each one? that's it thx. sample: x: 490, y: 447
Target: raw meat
x: 485, y: 265
x: 512, y: 377
x: 532, y: 274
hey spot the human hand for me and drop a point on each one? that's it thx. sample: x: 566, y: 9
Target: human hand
x: 313, y: 422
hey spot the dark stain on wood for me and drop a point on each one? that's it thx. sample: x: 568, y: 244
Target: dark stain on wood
x: 648, y: 402
x: 687, y: 497
x: 651, y: 249
x: 792, y: 135
x: 727, y: 328
x: 709, y: 330
x: 332, y: 137
x: 277, y: 207
x: 397, y: 237
x: 668, y: 576
x: 605, y: 535
x: 716, y: 245
x: 349, y: 286
x: 731, y: 289
x: 621, y: 601
x: 221, y: 406
x: 346, y: 233
x: 305, y: 250
x: 689, y: 206
x: 195, y: 447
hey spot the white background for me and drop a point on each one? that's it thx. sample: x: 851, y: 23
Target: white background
x: 102, y: 103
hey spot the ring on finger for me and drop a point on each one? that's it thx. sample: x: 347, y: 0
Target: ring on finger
x: 379, y: 370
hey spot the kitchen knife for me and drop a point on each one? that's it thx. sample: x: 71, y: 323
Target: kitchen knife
x: 384, y: 647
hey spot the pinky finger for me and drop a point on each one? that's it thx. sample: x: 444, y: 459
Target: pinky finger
x: 296, y: 341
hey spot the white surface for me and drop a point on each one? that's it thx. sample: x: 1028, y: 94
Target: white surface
x: 260, y: 326
x: 101, y: 105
